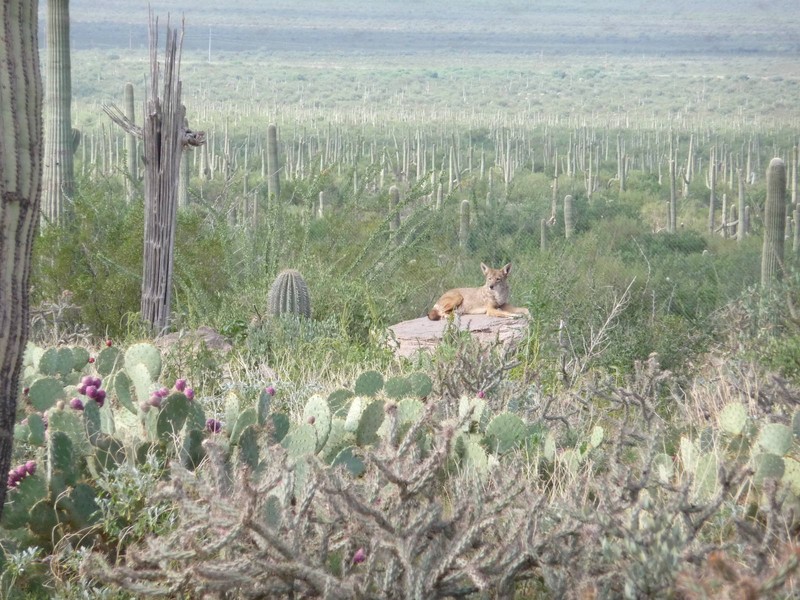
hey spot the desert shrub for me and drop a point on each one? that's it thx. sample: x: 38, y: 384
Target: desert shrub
x: 97, y: 256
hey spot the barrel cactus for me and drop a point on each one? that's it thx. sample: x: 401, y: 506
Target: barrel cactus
x: 289, y: 295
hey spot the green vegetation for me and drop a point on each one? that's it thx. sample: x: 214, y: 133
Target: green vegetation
x: 642, y: 437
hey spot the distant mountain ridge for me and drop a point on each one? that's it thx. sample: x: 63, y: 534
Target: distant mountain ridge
x: 510, y: 27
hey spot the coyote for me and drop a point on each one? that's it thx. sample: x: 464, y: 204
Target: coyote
x: 491, y: 299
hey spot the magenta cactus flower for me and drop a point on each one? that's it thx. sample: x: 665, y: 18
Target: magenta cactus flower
x: 360, y: 556
x: 189, y: 393
x: 76, y: 404
x: 180, y: 384
x: 213, y: 426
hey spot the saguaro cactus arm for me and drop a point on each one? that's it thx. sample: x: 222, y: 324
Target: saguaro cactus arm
x: 20, y: 193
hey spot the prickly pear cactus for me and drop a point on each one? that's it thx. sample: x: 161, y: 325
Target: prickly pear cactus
x: 504, y: 433
x: 289, y: 295
x: 369, y: 383
x: 775, y: 438
x: 318, y: 413
x: 733, y: 418
x: 144, y: 354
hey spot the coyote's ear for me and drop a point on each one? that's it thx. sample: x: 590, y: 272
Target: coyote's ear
x: 507, y: 269
x: 484, y: 268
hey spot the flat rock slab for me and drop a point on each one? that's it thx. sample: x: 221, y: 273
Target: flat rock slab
x: 424, y: 335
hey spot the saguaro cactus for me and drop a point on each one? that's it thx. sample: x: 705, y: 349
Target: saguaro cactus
x: 57, y: 183
x: 131, y: 160
x: 20, y: 181
x: 164, y: 134
x: 569, y: 217
x: 774, y: 223
x: 273, y: 168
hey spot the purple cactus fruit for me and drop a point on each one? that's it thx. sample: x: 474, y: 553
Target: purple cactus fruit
x: 22, y: 471
x: 91, y: 392
x: 82, y: 389
x: 481, y: 394
x: 311, y: 419
x: 189, y: 393
x: 155, y: 400
x: 163, y: 392
x: 213, y: 426
x: 101, y: 396
x: 360, y: 556
x: 97, y: 382
x: 180, y: 384
x: 270, y: 390
x: 30, y: 467
x: 87, y: 380
x: 11, y: 482
x: 145, y: 406
x: 76, y: 404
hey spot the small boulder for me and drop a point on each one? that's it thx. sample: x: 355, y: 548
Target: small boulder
x: 424, y: 335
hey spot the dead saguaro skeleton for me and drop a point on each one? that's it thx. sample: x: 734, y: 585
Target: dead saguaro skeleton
x: 165, y: 136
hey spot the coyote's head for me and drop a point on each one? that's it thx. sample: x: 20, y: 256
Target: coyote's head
x: 497, y: 281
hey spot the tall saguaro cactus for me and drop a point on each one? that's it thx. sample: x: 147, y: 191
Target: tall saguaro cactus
x: 774, y: 223
x: 164, y: 134
x: 273, y: 168
x: 131, y: 160
x: 20, y: 194
x: 58, y: 137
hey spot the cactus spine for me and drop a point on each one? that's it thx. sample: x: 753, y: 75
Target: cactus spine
x: 774, y: 223
x: 273, y: 168
x: 289, y: 295
x: 20, y: 180
x: 57, y: 183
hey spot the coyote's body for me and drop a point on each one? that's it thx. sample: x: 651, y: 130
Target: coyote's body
x: 490, y: 299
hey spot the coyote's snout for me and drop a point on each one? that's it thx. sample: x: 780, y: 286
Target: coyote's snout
x: 491, y: 299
